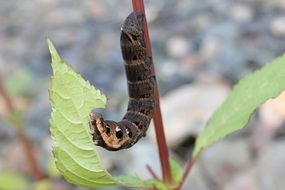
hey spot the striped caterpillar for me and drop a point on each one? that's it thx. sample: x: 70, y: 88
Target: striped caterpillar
x: 113, y: 135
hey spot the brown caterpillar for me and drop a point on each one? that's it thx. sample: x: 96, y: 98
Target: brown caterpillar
x: 113, y: 135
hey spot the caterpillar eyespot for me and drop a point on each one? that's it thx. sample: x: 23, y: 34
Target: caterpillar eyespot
x: 113, y: 135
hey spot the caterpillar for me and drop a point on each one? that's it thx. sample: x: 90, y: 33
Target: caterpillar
x: 113, y: 135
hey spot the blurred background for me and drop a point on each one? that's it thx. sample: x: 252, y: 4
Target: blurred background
x: 201, y: 48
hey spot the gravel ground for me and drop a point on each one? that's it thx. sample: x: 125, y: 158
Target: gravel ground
x: 197, y: 45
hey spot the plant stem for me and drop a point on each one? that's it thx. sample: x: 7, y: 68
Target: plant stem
x: 186, y: 172
x: 150, y: 170
x: 138, y: 6
x: 38, y: 175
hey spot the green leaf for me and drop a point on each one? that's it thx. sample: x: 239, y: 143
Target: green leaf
x: 176, y: 170
x: 135, y: 182
x: 52, y: 170
x: 157, y: 184
x: 12, y: 181
x: 130, y: 180
x: 247, y: 95
x: 72, y: 99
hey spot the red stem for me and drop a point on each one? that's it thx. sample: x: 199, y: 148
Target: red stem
x: 187, y: 171
x: 138, y: 6
x: 38, y: 175
x: 150, y: 170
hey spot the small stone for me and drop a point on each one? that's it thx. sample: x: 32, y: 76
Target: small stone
x: 272, y: 112
x: 168, y: 69
x: 277, y: 26
x: 201, y: 21
x: 271, y: 167
x: 241, y: 13
x: 187, y: 109
x: 210, y: 49
x: 243, y: 180
x: 225, y: 159
x: 178, y: 46
x: 196, y: 180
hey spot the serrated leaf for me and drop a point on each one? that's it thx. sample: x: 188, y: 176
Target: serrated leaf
x: 52, y: 170
x: 72, y: 99
x: 246, y: 96
x: 12, y: 181
x: 176, y: 170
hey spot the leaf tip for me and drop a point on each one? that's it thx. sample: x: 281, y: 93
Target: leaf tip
x: 54, y: 55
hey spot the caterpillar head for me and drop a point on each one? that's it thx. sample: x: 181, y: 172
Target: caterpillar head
x: 107, y: 134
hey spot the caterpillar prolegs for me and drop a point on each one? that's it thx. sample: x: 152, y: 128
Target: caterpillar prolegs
x: 113, y: 135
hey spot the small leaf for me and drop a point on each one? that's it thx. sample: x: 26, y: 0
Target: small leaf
x: 176, y: 170
x: 72, y: 99
x: 246, y: 96
x: 12, y: 181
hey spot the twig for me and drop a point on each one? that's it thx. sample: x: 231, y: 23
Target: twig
x: 186, y: 172
x: 38, y: 175
x: 150, y: 170
x: 6, y: 97
x: 138, y: 6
